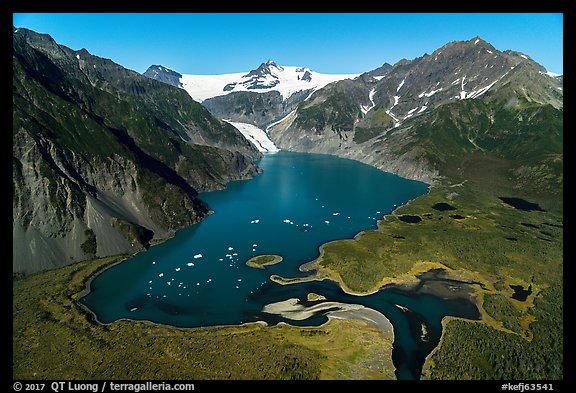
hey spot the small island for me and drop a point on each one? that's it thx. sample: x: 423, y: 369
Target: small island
x: 261, y: 261
x: 314, y: 297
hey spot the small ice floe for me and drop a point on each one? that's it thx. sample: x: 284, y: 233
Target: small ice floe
x: 239, y: 279
x: 169, y: 282
x: 197, y: 283
x: 161, y: 275
x: 197, y: 256
x: 254, y: 221
x: 336, y: 213
x: 190, y: 264
x: 348, y: 217
x: 150, y: 282
x: 163, y: 295
x: 254, y: 245
x: 177, y: 269
x: 234, y: 254
x: 378, y: 212
x: 153, y: 262
x: 253, y: 250
x: 209, y: 280
x: 220, y: 259
x: 230, y: 248
x: 327, y: 222
x: 134, y: 309
x: 237, y: 287
x: 286, y: 221
x: 228, y: 256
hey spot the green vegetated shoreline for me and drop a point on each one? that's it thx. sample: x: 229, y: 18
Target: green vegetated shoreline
x: 54, y: 337
x: 484, y: 240
x: 514, y: 340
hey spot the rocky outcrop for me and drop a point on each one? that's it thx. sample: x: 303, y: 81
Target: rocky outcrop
x: 163, y: 74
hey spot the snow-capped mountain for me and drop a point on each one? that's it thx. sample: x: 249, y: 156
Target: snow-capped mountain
x: 411, y: 118
x: 268, y: 77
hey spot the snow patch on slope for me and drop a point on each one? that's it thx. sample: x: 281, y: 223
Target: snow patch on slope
x: 366, y: 109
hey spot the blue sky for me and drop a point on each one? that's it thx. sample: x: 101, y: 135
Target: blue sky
x: 327, y: 43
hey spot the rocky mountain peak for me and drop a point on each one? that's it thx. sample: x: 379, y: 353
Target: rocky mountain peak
x: 265, y: 69
x: 163, y: 74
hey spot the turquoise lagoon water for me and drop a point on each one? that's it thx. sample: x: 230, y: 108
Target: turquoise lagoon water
x: 300, y: 201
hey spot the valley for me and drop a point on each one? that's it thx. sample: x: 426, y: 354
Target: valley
x: 481, y: 130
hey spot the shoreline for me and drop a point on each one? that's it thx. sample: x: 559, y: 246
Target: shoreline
x: 428, y: 363
x: 307, y: 266
x: 323, y: 273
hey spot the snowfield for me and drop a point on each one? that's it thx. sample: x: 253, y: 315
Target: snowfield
x: 287, y: 80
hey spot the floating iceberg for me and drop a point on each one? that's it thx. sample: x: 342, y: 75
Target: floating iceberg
x: 190, y: 264
x: 197, y: 256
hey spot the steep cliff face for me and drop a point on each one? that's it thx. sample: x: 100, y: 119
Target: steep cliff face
x: 105, y: 160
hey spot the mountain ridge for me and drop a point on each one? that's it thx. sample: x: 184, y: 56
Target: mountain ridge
x: 374, y: 116
x: 377, y: 121
x: 101, y: 165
